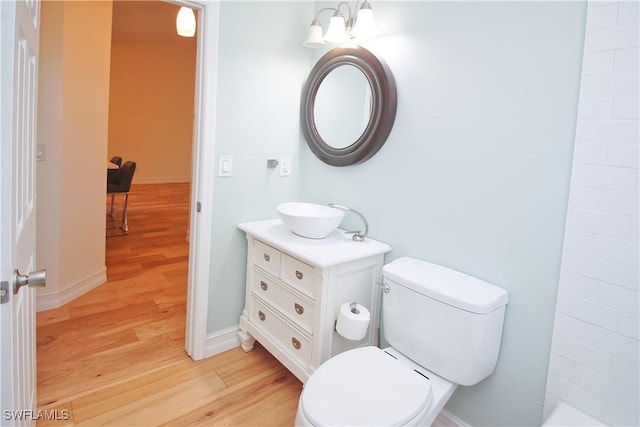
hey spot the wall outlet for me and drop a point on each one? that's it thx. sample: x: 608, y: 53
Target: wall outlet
x: 285, y: 166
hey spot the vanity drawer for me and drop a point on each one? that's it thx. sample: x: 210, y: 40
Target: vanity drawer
x: 299, y: 275
x: 287, y: 337
x: 266, y: 257
x: 291, y: 305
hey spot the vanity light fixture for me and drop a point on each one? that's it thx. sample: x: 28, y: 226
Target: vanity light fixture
x: 186, y: 22
x: 358, y: 24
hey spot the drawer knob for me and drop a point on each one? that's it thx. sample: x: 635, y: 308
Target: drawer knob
x: 299, y: 308
x: 264, y: 285
x: 261, y: 315
x: 299, y: 275
x: 296, y: 344
x: 267, y: 257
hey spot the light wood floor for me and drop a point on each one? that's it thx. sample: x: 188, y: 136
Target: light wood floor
x: 115, y: 356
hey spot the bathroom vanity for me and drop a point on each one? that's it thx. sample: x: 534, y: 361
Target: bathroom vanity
x: 295, y: 287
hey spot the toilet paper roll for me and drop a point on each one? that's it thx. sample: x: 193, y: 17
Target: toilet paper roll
x: 353, y: 321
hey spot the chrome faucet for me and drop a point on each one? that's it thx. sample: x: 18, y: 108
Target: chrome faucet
x: 358, y: 235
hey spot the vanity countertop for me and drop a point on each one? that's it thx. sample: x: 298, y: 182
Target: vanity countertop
x: 336, y: 248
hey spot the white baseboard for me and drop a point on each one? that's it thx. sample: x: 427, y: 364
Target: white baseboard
x: 221, y: 341
x: 447, y: 419
x: 59, y: 298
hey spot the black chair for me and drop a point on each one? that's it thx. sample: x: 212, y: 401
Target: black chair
x: 111, y: 178
x: 116, y: 160
x: 121, y: 183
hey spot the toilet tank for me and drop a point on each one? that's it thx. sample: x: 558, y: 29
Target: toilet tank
x: 442, y: 319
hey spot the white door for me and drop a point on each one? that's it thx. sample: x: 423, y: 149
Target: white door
x: 19, y: 33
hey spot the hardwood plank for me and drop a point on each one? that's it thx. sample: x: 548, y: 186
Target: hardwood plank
x: 254, y: 402
x: 149, y: 399
x: 115, y: 356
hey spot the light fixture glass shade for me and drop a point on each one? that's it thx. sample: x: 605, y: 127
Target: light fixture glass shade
x: 315, y: 36
x: 364, y: 23
x: 186, y: 22
x: 337, y: 32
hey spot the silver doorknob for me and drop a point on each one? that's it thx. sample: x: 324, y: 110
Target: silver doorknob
x: 35, y: 279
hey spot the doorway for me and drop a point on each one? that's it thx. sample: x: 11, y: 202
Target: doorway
x: 200, y: 217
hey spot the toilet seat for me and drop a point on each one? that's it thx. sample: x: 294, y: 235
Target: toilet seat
x: 363, y: 387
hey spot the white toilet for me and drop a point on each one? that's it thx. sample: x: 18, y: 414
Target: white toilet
x: 444, y: 328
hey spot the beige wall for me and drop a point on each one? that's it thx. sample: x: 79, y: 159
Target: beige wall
x: 151, y: 108
x: 72, y: 128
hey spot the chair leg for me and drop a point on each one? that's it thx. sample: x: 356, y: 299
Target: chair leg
x: 125, y: 224
x: 112, y: 211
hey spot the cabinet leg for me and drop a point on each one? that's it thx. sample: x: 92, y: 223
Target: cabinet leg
x: 246, y: 341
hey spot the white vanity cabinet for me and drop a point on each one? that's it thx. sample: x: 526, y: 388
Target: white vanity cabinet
x: 294, y: 290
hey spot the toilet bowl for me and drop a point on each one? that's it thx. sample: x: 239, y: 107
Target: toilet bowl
x: 371, y: 386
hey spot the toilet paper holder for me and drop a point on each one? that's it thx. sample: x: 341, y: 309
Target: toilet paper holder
x: 354, y: 308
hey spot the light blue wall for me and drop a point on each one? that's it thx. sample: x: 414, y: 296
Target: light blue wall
x: 262, y: 67
x: 474, y: 176
x: 475, y: 173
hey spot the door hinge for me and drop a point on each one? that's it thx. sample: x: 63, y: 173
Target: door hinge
x: 198, y: 207
x: 4, y: 292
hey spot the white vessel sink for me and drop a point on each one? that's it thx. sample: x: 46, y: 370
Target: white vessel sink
x: 310, y: 220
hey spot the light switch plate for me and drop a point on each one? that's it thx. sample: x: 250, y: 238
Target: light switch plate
x: 225, y: 165
x: 285, y: 166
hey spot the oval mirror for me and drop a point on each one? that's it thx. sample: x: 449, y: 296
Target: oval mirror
x: 341, y: 119
x: 348, y: 106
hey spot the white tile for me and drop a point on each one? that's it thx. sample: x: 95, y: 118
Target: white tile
x: 634, y: 230
x: 621, y: 250
x: 618, y: 297
x: 591, y: 153
x: 584, y: 197
x: 624, y: 347
x: 629, y: 325
x: 579, y: 352
x: 606, y: 16
x: 623, y: 155
x: 625, y: 107
x: 580, y: 241
x: 595, y: 108
x: 599, y: 222
x: 610, y: 84
x: 619, y: 202
x: 564, y: 368
x: 594, y: 382
x: 609, y: 388
x: 588, y: 402
x: 612, y: 38
x: 561, y: 388
x: 625, y: 60
x: 589, y: 311
x: 628, y: 13
x: 569, y: 392
x: 622, y: 393
x: 575, y: 284
x: 603, y: 61
x: 606, y: 177
x: 621, y: 131
x: 626, y: 372
x: 616, y: 415
x: 597, y: 338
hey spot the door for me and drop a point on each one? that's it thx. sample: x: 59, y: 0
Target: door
x: 19, y: 35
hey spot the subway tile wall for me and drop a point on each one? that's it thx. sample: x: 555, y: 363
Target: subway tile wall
x: 595, y: 351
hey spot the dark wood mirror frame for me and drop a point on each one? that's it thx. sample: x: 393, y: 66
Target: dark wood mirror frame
x: 384, y: 101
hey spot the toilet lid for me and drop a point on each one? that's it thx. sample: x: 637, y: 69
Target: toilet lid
x: 364, y: 387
